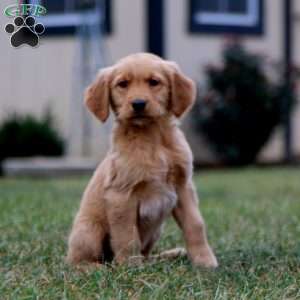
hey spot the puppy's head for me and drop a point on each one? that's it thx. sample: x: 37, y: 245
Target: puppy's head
x: 140, y: 88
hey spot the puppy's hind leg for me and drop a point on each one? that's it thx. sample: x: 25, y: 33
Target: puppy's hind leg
x: 173, y: 253
x: 168, y: 255
x: 86, y: 242
x: 165, y: 255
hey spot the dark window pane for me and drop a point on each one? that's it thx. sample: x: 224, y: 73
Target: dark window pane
x: 84, y: 4
x: 232, y: 6
x: 208, y: 5
x: 238, y: 6
x: 54, y: 6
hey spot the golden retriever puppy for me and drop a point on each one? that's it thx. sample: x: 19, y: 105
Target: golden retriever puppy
x: 147, y: 173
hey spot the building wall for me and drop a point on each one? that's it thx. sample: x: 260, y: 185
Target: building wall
x: 296, y: 53
x: 194, y: 51
x: 33, y: 79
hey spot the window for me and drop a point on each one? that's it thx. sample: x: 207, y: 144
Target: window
x: 226, y: 16
x: 63, y: 16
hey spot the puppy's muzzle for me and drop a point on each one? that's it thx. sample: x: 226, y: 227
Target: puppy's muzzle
x: 138, y: 105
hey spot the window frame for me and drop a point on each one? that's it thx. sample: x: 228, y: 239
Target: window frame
x: 67, y: 23
x: 214, y: 23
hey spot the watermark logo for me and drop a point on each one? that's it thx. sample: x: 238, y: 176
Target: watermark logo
x: 24, y: 29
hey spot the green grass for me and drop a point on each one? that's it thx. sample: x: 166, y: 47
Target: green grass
x: 253, y: 220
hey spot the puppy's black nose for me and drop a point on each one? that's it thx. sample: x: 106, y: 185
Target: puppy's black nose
x: 138, y: 105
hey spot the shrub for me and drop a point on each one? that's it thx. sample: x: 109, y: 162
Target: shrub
x: 241, y: 107
x: 24, y: 136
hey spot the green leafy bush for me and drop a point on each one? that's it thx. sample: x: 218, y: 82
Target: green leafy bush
x: 24, y: 136
x: 241, y: 107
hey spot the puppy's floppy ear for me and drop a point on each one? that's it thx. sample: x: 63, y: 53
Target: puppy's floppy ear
x: 183, y: 90
x: 97, y: 95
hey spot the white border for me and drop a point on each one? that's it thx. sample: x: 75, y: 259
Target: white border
x: 230, y: 19
x: 71, y: 19
x: 89, y: 17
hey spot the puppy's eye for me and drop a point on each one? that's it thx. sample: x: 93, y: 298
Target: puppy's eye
x: 153, y: 82
x: 123, y: 84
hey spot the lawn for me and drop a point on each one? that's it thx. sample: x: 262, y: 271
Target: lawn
x: 253, y: 220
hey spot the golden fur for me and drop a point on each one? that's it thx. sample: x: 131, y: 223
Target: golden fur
x: 147, y: 174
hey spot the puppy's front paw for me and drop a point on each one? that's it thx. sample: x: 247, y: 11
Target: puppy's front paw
x: 205, y: 259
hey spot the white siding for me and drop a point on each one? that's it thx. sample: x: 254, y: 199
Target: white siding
x: 32, y: 79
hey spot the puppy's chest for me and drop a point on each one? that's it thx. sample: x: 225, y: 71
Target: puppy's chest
x: 141, y: 165
x: 156, y: 202
x: 159, y: 165
x: 157, y: 193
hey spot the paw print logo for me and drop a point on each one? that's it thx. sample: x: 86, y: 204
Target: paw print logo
x: 24, y: 31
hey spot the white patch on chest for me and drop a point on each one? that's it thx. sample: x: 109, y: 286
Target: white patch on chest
x: 157, y: 207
